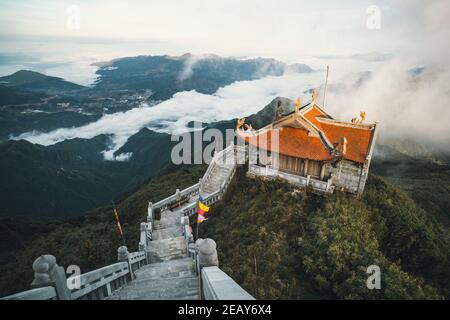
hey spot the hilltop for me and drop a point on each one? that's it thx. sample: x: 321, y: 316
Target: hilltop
x: 38, y: 82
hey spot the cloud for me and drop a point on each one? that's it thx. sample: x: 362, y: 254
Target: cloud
x: 239, y: 99
x: 188, y: 67
x: 123, y: 157
x: 407, y: 105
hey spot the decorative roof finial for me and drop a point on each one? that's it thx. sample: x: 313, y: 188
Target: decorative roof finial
x: 313, y: 96
x: 297, y: 105
x: 279, y: 110
x: 362, y: 114
x: 240, y: 123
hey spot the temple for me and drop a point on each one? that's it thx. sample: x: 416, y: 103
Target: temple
x: 307, y: 147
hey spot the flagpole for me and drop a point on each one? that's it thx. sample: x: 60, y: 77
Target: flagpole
x: 196, y: 235
x: 325, y: 88
x: 117, y: 221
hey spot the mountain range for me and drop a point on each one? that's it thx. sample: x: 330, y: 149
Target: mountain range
x: 166, y: 75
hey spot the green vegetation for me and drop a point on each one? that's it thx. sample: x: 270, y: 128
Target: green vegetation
x: 427, y: 182
x: 90, y: 241
x: 277, y: 242
x: 281, y: 243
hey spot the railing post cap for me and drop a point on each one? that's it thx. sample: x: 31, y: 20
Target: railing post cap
x: 44, y: 270
x: 207, y: 252
x: 122, y: 253
x: 44, y: 263
x: 122, y: 249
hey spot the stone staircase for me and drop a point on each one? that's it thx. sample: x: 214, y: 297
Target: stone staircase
x: 216, y: 177
x: 168, y: 280
x: 170, y: 273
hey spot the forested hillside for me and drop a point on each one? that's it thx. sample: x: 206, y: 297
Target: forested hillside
x: 281, y: 243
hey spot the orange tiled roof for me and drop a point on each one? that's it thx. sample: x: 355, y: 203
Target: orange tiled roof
x: 293, y: 142
x: 296, y: 142
x: 311, y: 115
x: 358, y: 139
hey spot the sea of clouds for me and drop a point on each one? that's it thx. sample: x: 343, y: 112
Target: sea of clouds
x: 172, y: 116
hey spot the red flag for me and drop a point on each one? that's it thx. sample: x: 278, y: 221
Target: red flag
x: 119, y: 227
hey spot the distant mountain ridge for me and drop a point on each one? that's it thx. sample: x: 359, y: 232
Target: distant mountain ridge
x: 38, y: 82
x: 166, y: 75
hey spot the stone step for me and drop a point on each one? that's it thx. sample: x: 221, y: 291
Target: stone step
x: 170, y: 288
x: 166, y: 249
x: 190, y: 281
x: 167, y: 233
x: 168, y: 219
x: 167, y: 269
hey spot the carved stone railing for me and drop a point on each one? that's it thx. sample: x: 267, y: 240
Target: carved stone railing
x: 308, y: 181
x: 44, y: 293
x: 165, y: 203
x: 217, y: 285
x: 209, y: 200
x: 52, y: 284
x: 100, y: 283
x: 235, y: 152
x: 214, y: 283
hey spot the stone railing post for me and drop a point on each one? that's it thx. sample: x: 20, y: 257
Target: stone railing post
x: 308, y: 178
x: 187, y: 233
x: 200, y: 188
x: 207, y: 253
x: 143, y: 238
x: 329, y: 181
x: 48, y: 273
x: 150, y: 212
x: 124, y: 256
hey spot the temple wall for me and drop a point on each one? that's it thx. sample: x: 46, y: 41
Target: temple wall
x: 348, y: 175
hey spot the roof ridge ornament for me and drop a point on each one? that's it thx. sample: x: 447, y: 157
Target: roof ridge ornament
x: 362, y: 118
x: 313, y: 97
x: 297, y: 105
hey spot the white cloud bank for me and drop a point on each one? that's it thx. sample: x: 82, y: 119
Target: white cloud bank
x: 172, y: 116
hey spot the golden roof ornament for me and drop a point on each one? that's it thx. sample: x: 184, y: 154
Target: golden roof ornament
x: 313, y: 97
x: 362, y: 118
x: 362, y: 115
x: 240, y: 123
x: 297, y: 105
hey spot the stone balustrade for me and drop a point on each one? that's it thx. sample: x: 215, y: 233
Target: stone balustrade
x: 308, y: 181
x: 217, y: 285
x: 165, y: 203
x: 50, y: 281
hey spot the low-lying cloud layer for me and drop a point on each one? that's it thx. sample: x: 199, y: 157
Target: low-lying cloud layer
x: 172, y: 116
x: 409, y: 104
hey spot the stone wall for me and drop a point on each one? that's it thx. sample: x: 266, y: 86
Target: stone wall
x: 348, y: 175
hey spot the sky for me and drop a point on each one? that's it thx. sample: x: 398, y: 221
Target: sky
x: 388, y: 38
x: 230, y: 27
x: 45, y: 33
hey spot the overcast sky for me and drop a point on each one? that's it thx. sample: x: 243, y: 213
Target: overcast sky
x: 285, y: 29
